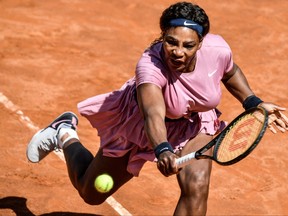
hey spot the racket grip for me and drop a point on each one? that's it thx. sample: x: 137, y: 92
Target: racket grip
x: 183, y: 161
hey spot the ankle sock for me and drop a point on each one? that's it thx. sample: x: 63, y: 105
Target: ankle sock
x: 72, y: 134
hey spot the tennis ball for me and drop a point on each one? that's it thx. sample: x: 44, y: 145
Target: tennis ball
x: 103, y: 183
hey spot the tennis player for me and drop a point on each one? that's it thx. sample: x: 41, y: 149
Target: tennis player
x: 167, y: 110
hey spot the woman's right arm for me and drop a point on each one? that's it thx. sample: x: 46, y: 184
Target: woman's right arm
x: 153, y: 109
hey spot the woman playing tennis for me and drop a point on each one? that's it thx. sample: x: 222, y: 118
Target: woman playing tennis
x: 167, y: 110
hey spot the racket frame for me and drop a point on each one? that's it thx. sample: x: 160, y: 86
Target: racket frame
x: 216, y: 142
x: 252, y: 147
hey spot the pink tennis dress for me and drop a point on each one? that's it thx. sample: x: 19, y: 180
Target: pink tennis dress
x: 191, y: 100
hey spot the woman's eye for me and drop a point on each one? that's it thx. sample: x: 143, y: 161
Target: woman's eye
x: 171, y: 42
x: 189, y: 46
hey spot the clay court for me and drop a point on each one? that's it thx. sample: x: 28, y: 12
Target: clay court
x: 56, y: 53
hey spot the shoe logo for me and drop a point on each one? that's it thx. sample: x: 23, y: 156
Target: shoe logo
x: 74, y: 122
x: 54, y: 125
x: 186, y: 23
x: 212, y: 73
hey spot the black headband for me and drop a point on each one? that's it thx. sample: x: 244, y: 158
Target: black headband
x: 187, y: 23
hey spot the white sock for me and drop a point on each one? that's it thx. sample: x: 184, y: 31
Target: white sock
x: 64, y: 131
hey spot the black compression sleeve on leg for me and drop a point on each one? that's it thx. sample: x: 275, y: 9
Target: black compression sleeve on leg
x: 78, y: 158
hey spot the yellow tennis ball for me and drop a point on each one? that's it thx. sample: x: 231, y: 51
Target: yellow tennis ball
x: 103, y: 183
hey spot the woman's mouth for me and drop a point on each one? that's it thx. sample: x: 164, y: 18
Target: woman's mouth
x: 176, y: 62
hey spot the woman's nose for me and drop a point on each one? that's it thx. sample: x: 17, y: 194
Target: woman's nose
x: 178, y: 52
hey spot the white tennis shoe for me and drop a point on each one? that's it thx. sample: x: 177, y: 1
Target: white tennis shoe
x: 45, y: 140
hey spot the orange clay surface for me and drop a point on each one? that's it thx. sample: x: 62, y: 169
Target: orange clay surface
x: 56, y: 53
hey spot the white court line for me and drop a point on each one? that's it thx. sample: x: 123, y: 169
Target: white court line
x: 26, y: 120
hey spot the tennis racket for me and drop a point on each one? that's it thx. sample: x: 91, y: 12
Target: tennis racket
x: 236, y: 141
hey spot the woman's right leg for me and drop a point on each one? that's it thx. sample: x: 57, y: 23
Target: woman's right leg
x: 83, y: 169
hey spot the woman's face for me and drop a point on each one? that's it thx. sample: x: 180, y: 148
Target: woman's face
x: 180, y: 45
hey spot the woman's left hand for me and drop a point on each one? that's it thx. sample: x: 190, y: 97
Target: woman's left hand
x: 276, y: 118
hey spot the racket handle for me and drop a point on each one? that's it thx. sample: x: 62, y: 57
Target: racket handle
x: 183, y: 161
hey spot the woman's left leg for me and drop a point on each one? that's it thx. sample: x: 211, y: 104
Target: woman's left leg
x: 83, y: 169
x: 194, y: 180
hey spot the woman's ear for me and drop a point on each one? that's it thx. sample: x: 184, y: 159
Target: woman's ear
x: 200, y: 44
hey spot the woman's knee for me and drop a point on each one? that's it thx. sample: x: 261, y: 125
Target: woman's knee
x: 94, y: 200
x: 195, y: 184
x: 200, y: 186
x: 93, y: 197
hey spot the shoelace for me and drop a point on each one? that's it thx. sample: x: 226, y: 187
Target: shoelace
x: 49, y: 144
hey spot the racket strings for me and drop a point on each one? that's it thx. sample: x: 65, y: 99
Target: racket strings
x: 240, y: 137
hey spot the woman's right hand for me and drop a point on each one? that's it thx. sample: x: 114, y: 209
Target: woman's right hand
x: 166, y: 163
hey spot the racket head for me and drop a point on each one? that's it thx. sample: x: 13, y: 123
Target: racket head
x: 241, y: 136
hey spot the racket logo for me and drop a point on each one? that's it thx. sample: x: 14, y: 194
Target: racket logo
x: 240, y: 135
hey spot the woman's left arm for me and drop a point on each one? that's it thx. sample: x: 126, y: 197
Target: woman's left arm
x: 237, y: 84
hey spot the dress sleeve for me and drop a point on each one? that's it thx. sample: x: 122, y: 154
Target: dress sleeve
x: 150, y: 70
x: 215, y: 45
x: 228, y: 60
x: 226, y: 56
